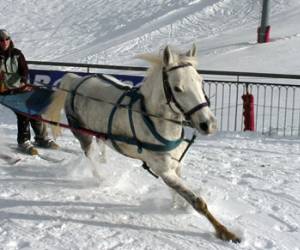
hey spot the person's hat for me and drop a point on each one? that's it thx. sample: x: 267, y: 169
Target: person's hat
x: 4, y: 34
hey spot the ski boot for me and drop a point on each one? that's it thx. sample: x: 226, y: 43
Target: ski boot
x: 28, y: 148
x: 46, y: 143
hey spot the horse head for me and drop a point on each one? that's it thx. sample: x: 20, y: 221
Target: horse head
x: 184, y: 90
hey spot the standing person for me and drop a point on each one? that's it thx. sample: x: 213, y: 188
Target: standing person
x: 13, y: 79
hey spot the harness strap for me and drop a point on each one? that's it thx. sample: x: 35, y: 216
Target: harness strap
x: 151, y: 127
x: 134, y: 98
x: 111, y: 81
x: 102, y: 77
x: 112, y: 137
x: 73, y: 92
x: 166, y: 145
x: 190, y: 142
x: 146, y: 167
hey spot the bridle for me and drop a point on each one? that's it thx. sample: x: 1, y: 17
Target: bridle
x: 171, y: 97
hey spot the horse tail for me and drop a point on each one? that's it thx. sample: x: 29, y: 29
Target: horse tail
x: 58, y: 98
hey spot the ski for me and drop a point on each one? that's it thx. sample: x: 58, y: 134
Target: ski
x: 11, y: 160
x: 50, y: 158
x: 40, y: 155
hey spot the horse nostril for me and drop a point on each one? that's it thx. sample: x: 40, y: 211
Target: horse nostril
x: 204, y: 126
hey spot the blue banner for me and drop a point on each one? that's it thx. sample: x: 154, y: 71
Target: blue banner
x: 52, y: 78
x: 35, y: 101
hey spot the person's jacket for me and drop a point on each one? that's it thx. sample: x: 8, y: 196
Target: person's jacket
x: 13, y: 69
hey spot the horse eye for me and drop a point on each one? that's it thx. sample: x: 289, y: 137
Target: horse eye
x: 178, y: 89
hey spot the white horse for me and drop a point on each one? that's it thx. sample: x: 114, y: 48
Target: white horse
x: 146, y: 122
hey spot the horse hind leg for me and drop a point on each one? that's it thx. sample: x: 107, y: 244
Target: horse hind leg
x: 85, y: 140
x: 102, y: 148
x: 173, y: 181
x: 85, y: 143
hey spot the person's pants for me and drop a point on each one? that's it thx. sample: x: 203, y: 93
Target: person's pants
x: 38, y: 127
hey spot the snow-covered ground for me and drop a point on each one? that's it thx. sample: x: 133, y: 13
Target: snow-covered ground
x: 250, y: 182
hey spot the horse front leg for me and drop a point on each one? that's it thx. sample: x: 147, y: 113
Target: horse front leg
x: 178, y: 200
x: 173, y: 181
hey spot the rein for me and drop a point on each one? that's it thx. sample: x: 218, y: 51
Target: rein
x: 41, y: 85
x: 171, y: 97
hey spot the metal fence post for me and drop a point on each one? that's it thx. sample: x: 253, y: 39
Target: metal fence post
x: 236, y: 102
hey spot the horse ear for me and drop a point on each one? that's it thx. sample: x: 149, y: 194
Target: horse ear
x: 167, y: 56
x: 192, y: 51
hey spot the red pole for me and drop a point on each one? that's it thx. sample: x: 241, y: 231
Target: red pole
x: 263, y: 32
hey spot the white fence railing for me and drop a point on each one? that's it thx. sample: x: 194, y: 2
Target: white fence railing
x: 276, y: 96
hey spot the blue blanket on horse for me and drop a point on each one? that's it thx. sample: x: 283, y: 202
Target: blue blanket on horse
x: 32, y: 103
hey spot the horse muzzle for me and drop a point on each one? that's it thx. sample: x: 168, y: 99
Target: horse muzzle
x: 208, y: 127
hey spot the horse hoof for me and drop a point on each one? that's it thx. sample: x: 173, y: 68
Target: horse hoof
x: 236, y: 240
x: 228, y: 236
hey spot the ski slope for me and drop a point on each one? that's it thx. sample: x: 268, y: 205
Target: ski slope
x: 249, y: 181
x: 114, y: 31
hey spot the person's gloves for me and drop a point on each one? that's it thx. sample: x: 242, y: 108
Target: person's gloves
x: 26, y: 87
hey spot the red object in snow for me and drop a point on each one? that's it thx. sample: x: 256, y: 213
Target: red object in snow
x: 263, y: 35
x: 248, y: 106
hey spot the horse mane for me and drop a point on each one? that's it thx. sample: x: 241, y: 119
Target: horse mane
x: 157, y: 64
x: 157, y: 60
